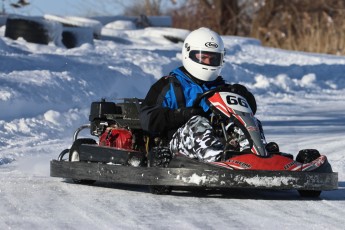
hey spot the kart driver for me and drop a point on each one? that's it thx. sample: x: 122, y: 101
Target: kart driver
x: 167, y: 110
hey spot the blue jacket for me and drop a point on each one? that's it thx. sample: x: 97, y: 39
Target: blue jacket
x: 159, y: 114
x: 190, y: 90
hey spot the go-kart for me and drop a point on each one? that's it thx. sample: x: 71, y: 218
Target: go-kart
x: 123, y: 153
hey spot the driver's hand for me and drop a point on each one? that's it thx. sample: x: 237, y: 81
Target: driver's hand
x: 239, y: 89
x: 186, y: 113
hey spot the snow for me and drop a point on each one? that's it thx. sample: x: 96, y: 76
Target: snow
x: 268, y: 181
x: 45, y: 94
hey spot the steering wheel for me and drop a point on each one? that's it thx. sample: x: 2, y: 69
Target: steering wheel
x: 210, y: 92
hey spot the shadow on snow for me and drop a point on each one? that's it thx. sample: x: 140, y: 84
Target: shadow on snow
x: 257, y: 194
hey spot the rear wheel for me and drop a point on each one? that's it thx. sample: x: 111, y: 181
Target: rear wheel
x: 74, y: 155
x: 309, y: 193
x: 159, y: 157
x: 306, y: 156
x: 160, y: 190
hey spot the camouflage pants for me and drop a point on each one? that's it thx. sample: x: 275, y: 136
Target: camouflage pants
x: 196, y: 139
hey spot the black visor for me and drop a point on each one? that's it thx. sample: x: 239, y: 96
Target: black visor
x: 206, y: 58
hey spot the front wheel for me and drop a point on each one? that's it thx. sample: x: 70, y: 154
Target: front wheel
x: 306, y: 156
x: 309, y: 193
x: 74, y: 155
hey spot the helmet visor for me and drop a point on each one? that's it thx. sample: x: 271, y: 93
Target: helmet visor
x: 206, y: 58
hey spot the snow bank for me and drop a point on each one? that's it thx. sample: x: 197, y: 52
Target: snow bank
x: 72, y: 21
x: 45, y: 94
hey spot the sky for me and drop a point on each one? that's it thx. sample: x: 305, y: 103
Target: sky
x: 64, y: 7
x: 73, y: 7
x: 45, y: 95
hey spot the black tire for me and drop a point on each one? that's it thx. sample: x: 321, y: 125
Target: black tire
x: 76, y: 36
x: 68, y: 39
x: 309, y: 193
x: 78, y: 22
x: 173, y: 39
x: 306, y: 156
x: 159, y: 157
x: 160, y: 190
x: 74, y: 156
x: 30, y: 30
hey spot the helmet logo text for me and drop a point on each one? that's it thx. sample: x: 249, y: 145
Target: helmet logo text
x: 211, y: 45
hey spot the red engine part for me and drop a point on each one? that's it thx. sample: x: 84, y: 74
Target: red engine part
x: 117, y: 137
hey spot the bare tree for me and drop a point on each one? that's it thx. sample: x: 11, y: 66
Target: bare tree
x: 101, y: 8
x: 222, y: 16
x: 148, y: 7
x: 308, y: 25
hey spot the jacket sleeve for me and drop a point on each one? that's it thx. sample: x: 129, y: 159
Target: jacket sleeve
x: 155, y: 118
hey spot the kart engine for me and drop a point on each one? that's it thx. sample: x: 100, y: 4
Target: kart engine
x: 116, y: 125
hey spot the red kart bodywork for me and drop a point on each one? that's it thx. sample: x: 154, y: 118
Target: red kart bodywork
x: 273, y: 163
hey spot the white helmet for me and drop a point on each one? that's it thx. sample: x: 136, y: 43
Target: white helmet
x: 199, y: 43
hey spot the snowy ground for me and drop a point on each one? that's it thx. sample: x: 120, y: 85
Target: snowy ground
x: 45, y: 94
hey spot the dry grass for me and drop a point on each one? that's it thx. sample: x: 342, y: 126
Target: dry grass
x: 304, y: 25
x: 315, y: 27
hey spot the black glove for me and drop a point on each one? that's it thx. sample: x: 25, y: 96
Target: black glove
x: 239, y: 89
x: 184, y: 114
